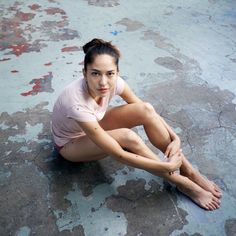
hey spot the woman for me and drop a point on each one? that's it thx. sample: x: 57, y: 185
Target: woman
x: 84, y: 129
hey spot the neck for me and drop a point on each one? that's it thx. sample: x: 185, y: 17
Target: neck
x: 98, y: 100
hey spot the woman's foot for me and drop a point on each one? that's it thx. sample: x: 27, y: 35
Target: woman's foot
x: 206, y: 184
x: 200, y: 196
x: 193, y: 174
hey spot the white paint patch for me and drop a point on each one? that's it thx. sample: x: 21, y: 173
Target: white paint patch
x: 7, y: 153
x: 206, y: 222
x: 120, y: 178
x: 23, y: 231
x: 24, y: 149
x: 31, y: 134
x: 91, y: 212
x: 3, y: 126
x: 4, y: 175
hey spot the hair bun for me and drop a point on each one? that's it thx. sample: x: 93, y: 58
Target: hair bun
x: 92, y: 43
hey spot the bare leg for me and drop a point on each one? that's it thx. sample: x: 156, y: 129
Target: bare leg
x: 196, y: 177
x: 155, y: 127
x: 83, y: 149
x: 199, y: 195
x: 144, y: 114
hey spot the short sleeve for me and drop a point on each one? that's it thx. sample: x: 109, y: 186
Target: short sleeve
x: 81, y: 114
x: 120, y: 84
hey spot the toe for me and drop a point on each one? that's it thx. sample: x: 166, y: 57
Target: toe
x: 216, y: 200
x: 210, y: 207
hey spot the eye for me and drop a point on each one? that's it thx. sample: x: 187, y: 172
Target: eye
x: 111, y: 74
x: 95, y: 74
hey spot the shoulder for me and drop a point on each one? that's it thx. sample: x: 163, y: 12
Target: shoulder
x: 73, y: 89
x: 74, y: 85
x: 120, y: 84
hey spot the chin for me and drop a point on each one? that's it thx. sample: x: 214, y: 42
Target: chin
x: 103, y: 95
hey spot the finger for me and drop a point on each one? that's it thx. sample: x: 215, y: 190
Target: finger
x: 173, y: 152
x: 167, y: 152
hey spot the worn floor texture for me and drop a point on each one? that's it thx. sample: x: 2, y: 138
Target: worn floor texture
x: 178, y: 55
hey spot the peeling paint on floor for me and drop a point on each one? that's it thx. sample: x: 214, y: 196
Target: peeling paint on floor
x: 179, y: 56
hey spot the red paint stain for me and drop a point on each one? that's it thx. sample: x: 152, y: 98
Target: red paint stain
x: 48, y: 64
x: 24, y: 16
x: 70, y: 49
x: 18, y: 49
x: 54, y: 10
x: 5, y: 59
x: 34, y: 7
x: 14, y: 71
x: 40, y: 85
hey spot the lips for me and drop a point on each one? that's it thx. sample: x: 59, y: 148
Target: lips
x: 103, y: 90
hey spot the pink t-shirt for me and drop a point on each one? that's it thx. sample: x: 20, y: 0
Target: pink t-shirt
x: 75, y: 104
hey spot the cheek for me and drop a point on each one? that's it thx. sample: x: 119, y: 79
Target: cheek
x: 91, y: 84
x: 112, y: 83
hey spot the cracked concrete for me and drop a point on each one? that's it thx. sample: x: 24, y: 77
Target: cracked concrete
x: 179, y: 56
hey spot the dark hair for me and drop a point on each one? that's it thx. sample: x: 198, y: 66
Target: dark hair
x: 99, y: 47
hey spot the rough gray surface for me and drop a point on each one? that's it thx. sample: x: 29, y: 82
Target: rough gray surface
x: 179, y: 56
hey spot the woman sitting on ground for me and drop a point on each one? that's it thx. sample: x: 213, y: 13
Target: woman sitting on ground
x: 84, y: 129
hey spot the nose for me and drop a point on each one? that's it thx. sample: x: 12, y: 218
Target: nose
x: 103, y: 80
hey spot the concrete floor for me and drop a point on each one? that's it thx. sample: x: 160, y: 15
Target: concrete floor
x: 178, y: 55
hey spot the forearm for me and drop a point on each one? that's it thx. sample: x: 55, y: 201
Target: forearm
x: 137, y: 161
x: 112, y: 148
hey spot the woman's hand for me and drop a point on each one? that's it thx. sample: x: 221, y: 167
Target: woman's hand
x: 173, y: 148
x: 175, y: 162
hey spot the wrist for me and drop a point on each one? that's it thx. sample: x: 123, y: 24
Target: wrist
x: 176, y: 138
x: 168, y: 167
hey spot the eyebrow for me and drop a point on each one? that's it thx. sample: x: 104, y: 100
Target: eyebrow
x: 100, y: 71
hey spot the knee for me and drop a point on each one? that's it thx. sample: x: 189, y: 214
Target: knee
x: 147, y: 110
x: 130, y: 139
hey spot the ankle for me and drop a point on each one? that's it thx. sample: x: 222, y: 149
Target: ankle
x: 188, y: 173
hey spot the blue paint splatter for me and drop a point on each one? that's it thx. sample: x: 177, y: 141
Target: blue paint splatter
x: 115, y: 32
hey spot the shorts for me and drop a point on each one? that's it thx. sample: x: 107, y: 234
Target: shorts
x: 58, y: 148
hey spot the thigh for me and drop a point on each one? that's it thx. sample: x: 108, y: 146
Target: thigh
x: 125, y: 116
x: 135, y: 114
x: 81, y: 149
x: 84, y: 149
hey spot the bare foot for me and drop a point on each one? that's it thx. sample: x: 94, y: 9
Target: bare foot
x: 188, y: 171
x: 201, y: 197
x: 206, y: 184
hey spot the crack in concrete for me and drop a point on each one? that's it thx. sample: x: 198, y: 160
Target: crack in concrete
x: 176, y: 209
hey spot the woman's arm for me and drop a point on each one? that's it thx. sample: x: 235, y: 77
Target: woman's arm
x: 129, y: 96
x: 110, y: 146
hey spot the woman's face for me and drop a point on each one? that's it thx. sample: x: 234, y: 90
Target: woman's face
x: 101, y: 76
